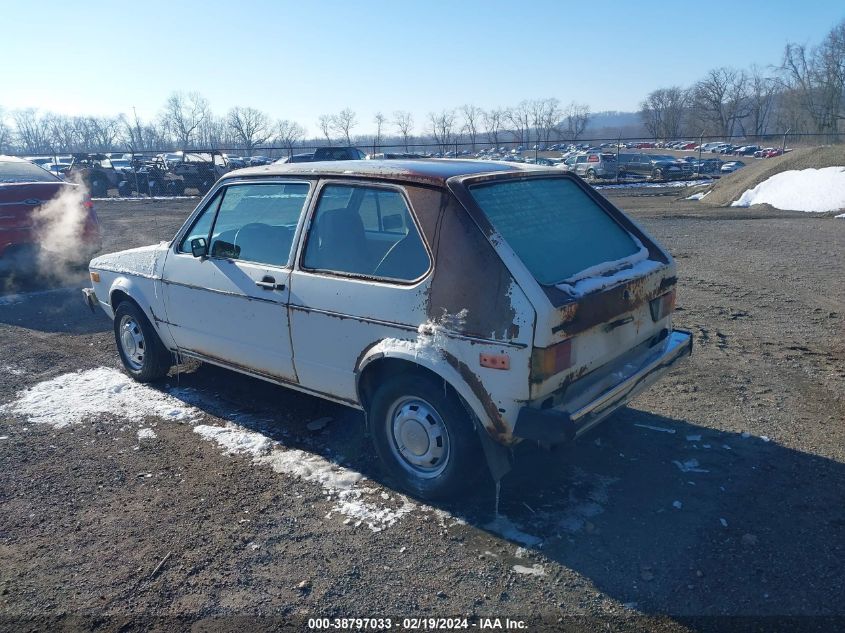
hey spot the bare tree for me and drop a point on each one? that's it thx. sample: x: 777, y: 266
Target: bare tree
x: 721, y: 99
x: 289, y: 133
x: 547, y: 116
x: 324, y: 122
x: 519, y: 117
x: 343, y: 122
x: 662, y: 112
x: 472, y: 119
x: 183, y: 114
x: 818, y: 77
x: 493, y: 120
x: 442, y: 128
x: 576, y: 116
x: 404, y: 122
x: 32, y: 130
x: 250, y: 127
x: 5, y: 132
x: 761, y: 99
x: 379, y: 119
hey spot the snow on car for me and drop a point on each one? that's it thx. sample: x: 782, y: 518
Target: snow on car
x: 465, y: 306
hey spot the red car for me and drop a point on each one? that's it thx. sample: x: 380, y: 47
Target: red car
x: 70, y: 229
x: 771, y: 153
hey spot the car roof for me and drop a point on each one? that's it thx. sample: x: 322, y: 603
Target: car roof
x: 12, y: 159
x: 429, y: 171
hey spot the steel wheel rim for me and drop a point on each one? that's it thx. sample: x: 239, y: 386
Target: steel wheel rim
x: 132, y: 342
x: 418, y: 437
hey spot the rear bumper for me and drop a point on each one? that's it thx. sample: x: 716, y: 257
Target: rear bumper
x: 561, y: 424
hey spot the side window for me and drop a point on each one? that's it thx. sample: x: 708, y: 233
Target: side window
x: 202, y: 225
x: 256, y: 223
x: 372, y: 234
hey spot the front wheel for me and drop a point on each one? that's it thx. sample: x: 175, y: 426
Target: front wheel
x: 424, y: 436
x: 143, y: 354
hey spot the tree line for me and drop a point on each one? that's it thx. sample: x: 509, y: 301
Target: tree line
x: 804, y: 94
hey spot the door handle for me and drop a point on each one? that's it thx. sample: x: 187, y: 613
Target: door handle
x: 269, y: 283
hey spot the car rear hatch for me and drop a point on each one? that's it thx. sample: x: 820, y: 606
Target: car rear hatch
x: 609, y: 286
x: 18, y: 201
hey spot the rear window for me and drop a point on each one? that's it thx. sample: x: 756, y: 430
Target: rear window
x: 23, y: 172
x: 553, y: 226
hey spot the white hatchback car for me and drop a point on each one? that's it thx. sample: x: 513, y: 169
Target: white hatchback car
x: 463, y: 305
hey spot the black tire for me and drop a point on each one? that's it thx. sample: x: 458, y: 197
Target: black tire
x: 591, y: 175
x: 99, y: 187
x: 149, y: 360
x: 124, y: 190
x: 657, y: 174
x: 457, y: 469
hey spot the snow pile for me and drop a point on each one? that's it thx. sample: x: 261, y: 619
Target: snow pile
x: 341, y: 484
x: 813, y: 190
x: 146, y: 434
x: 698, y: 196
x: 534, y: 570
x: 72, y: 398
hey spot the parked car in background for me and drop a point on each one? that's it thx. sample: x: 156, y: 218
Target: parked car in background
x: 325, y: 153
x: 654, y: 166
x: 732, y: 166
x: 546, y: 308
x: 591, y: 165
x: 24, y: 190
x: 747, y: 150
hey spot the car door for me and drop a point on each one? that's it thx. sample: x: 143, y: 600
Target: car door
x: 362, y: 274
x: 229, y: 305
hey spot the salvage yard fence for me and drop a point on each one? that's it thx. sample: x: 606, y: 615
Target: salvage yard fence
x: 163, y: 171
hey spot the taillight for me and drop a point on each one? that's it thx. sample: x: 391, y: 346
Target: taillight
x: 548, y: 361
x: 593, y: 159
x: 663, y: 306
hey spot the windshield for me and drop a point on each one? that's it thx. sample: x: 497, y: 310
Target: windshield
x: 553, y: 226
x: 23, y: 172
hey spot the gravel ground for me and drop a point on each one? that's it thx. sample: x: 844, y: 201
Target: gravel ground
x: 713, y: 502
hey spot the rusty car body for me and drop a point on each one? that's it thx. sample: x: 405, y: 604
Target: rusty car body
x: 428, y: 293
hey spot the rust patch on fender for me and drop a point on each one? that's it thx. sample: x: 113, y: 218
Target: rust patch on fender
x: 500, y: 431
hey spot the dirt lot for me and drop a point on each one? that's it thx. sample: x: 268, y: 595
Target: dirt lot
x: 715, y: 501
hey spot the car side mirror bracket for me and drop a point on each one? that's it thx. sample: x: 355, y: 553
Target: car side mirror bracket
x: 199, y: 247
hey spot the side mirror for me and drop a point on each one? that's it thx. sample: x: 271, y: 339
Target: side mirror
x: 199, y: 247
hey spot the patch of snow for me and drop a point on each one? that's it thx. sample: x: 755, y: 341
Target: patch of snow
x: 627, y: 268
x: 841, y: 215
x: 430, y: 340
x: 140, y: 261
x: 72, y: 398
x: 655, y: 428
x: 689, y: 466
x: 146, y: 434
x: 506, y: 528
x: 811, y: 190
x: 356, y: 502
x: 4, y: 437
x: 534, y: 570
x: 677, y: 505
x: 698, y: 196
x: 675, y: 184
x: 13, y: 370
x: 723, y: 522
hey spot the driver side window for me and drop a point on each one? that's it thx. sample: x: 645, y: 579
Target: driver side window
x: 256, y: 222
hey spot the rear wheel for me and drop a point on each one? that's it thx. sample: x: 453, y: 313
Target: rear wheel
x: 143, y: 354
x: 99, y: 187
x: 424, y: 436
x: 657, y: 174
x: 591, y: 175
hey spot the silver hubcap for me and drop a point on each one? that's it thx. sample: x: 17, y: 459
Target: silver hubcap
x: 132, y: 342
x: 419, y: 438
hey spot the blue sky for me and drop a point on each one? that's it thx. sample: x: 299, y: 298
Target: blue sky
x: 298, y: 60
